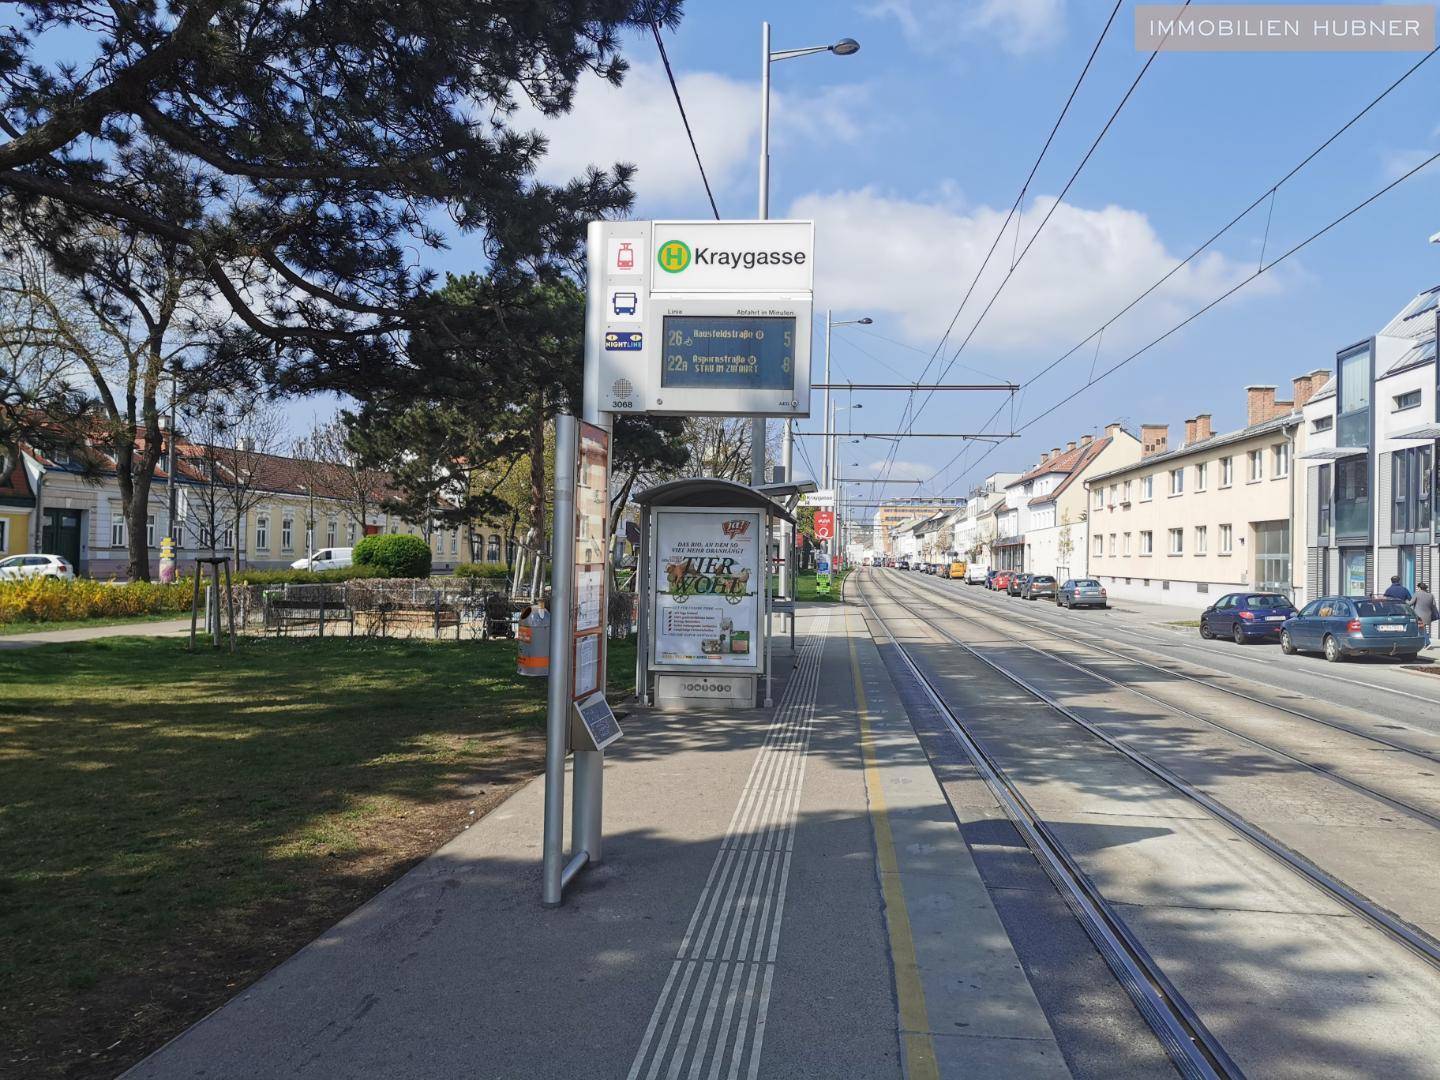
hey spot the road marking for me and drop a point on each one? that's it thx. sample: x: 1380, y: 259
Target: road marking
x: 920, y: 1061
x: 724, y: 968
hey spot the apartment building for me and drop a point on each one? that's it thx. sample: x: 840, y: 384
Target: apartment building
x: 1042, y: 527
x: 974, y: 526
x: 17, y: 507
x: 1369, y: 465
x: 1211, y: 515
x: 888, y: 517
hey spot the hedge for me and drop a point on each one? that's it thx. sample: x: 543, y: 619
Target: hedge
x: 395, y: 554
x: 48, y: 600
x: 489, y: 570
x: 307, y: 577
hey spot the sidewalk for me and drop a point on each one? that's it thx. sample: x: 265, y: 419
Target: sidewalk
x: 783, y: 894
x: 151, y: 628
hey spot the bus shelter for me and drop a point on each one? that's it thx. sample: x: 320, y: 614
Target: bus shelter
x: 705, y: 594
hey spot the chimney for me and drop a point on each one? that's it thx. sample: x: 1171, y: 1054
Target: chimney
x: 1259, y: 404
x: 1189, y: 432
x: 1154, y: 439
x: 1202, y: 427
x: 1111, y: 430
x: 1071, y: 446
x: 1086, y: 440
x: 1044, y: 457
x: 1305, y: 387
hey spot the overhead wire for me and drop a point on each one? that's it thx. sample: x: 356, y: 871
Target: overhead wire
x: 675, y: 89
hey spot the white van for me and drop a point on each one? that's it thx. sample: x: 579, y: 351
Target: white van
x: 326, y: 559
x: 975, y: 573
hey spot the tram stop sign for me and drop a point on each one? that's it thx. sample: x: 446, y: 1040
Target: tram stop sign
x: 824, y: 524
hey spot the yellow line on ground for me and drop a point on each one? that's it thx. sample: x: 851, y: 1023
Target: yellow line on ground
x: 920, y: 1061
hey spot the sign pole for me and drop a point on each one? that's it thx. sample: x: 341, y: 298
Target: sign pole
x: 562, y: 617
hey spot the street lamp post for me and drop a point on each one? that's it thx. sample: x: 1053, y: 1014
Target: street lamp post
x: 843, y: 47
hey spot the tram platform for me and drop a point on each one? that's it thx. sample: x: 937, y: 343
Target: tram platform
x: 783, y: 893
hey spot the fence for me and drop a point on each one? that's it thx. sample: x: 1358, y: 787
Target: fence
x: 454, y: 608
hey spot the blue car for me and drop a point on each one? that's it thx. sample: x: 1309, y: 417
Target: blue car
x: 1345, y: 626
x: 1246, y: 616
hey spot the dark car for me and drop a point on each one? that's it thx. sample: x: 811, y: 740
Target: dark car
x: 1246, y: 616
x: 1345, y: 626
x: 1081, y: 592
x: 1038, y: 585
x: 1017, y: 583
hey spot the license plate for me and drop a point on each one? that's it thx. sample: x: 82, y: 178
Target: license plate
x: 1391, y: 628
x: 1274, y: 618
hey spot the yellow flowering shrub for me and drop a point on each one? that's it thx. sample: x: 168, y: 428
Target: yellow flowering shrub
x: 48, y: 600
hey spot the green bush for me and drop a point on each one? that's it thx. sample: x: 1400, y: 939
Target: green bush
x: 488, y: 570
x: 395, y: 555
x: 307, y: 577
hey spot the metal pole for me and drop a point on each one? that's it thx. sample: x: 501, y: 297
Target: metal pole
x: 787, y: 458
x: 757, y: 426
x: 557, y: 722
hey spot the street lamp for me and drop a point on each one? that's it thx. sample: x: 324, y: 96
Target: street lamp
x: 843, y: 47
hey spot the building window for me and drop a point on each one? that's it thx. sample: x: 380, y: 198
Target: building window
x: 1147, y: 542
x: 1177, y: 541
x: 227, y: 542
x: 1099, y: 547
x: 1127, y: 545
x: 149, y: 530
x: 1099, y: 498
x: 1114, y: 490
x: 1227, y: 471
x: 492, y: 548
x: 4, y: 535
x: 1177, y: 481
x: 117, y: 532
x: 1322, y: 509
x: 1202, y: 539
x: 1280, y: 461
x: 1322, y: 423
x: 350, y: 532
x: 287, y: 533
x: 1201, y: 476
x: 1227, y: 539
x: 262, y: 533
x: 1147, y: 488
x: 1354, y: 579
x: 1352, y: 496
x: 1255, y: 464
x: 1410, y: 489
x: 1272, y: 555
x: 1407, y: 401
x: 1126, y: 496
x: 1112, y: 545
x: 332, y: 532
x: 1353, y: 398
x: 454, y: 541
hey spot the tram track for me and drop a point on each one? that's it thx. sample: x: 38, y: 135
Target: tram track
x: 1388, y: 922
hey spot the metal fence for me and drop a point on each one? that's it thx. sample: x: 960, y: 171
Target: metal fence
x: 443, y: 608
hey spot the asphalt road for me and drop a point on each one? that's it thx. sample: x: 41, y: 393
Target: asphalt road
x: 1341, y: 767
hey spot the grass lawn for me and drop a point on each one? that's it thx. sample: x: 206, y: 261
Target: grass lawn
x: 172, y: 826
x: 29, y: 627
x: 805, y: 586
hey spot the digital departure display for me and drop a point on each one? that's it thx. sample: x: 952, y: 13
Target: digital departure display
x: 720, y: 351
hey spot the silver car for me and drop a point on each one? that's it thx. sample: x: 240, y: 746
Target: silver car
x: 1081, y: 592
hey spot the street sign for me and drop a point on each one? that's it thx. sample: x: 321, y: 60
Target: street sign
x: 597, y: 720
x: 825, y: 498
x: 701, y: 317
x: 822, y: 583
x: 822, y: 563
x: 824, y: 524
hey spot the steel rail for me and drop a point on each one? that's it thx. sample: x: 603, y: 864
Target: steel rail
x: 1418, y: 813
x: 1190, y: 1045
x: 1419, y: 942
x: 1381, y: 740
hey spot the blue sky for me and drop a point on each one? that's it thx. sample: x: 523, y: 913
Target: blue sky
x: 908, y: 153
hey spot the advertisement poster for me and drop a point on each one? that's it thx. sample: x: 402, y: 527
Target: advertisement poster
x: 707, y: 588
x: 592, y: 494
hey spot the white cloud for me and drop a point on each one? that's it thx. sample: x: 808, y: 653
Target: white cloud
x: 933, y: 26
x: 638, y: 123
x: 1397, y: 163
x: 896, y: 470
x: 908, y: 263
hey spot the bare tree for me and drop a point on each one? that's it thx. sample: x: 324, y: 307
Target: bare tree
x: 232, y: 442
x: 333, y: 471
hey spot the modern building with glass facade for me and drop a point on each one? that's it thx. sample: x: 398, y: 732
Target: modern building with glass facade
x: 1369, y: 461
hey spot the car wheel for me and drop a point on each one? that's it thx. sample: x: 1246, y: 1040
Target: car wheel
x: 1287, y: 646
x: 1205, y: 630
x: 1332, y: 650
x: 1238, y: 634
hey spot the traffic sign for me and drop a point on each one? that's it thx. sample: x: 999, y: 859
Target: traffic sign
x: 824, y: 524
x: 822, y: 583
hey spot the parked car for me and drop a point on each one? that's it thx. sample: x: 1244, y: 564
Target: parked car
x: 1038, y: 585
x: 326, y: 559
x: 1017, y: 582
x: 957, y: 570
x: 18, y: 567
x: 1001, y: 581
x: 977, y: 574
x: 903, y: 564
x: 1345, y: 626
x: 1081, y: 592
x: 1246, y: 616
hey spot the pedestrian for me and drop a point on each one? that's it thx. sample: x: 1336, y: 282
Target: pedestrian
x: 1424, y: 604
x: 1397, y: 591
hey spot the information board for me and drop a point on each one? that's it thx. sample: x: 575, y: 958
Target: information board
x: 728, y: 351
x: 592, y: 494
x: 707, y: 589
x: 598, y: 720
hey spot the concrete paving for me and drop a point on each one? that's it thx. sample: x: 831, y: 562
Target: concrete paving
x: 783, y: 894
x: 153, y: 628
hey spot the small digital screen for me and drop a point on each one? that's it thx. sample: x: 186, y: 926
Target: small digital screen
x: 738, y: 352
